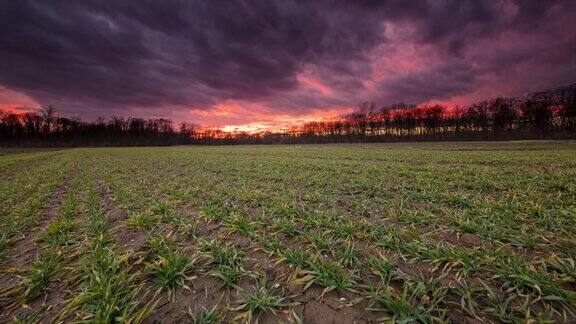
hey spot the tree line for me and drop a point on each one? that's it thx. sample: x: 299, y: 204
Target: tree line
x: 544, y: 114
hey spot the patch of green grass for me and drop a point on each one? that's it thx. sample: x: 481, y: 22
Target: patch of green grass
x: 321, y: 243
x: 144, y: 221
x: 285, y: 226
x: 229, y: 275
x: 159, y: 244
x: 260, y: 300
x: 222, y: 254
x: 345, y: 230
x: 241, y: 225
x: 294, y: 257
x: 418, y: 301
x: 188, y: 229
x: 270, y: 244
x: 42, y: 270
x: 327, y: 274
x: 347, y: 255
x: 60, y: 232
x: 211, y: 315
x: 213, y: 213
x: 533, y: 282
x: 161, y: 208
x: 227, y: 263
x: 111, y: 291
x: 171, y: 270
x: 383, y: 268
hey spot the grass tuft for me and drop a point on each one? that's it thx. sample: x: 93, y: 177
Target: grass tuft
x: 171, y: 271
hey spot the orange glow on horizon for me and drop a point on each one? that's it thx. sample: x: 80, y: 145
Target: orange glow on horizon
x: 16, y: 102
x: 283, y: 122
x: 16, y: 109
x: 254, y: 118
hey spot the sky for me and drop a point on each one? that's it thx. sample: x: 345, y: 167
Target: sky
x: 250, y: 65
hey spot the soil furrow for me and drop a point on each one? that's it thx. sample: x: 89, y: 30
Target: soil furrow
x: 26, y: 248
x: 127, y: 238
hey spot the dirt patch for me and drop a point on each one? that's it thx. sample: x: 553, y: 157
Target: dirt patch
x: 204, y: 293
x: 130, y: 239
x: 127, y: 238
x: 465, y: 239
x: 50, y: 304
x: 321, y: 312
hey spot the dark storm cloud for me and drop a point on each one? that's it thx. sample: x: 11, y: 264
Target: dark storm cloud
x: 151, y: 53
x: 441, y: 83
x: 103, y: 57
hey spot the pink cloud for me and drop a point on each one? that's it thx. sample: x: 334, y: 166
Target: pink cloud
x: 313, y: 83
x: 16, y: 101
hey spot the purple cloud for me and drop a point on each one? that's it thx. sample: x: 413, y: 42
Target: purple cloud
x: 98, y: 58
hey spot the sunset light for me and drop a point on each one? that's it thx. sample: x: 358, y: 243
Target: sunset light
x: 271, y: 66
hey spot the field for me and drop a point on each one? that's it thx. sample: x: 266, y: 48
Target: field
x: 443, y: 232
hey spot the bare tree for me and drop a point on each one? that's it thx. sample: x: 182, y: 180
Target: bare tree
x: 48, y: 114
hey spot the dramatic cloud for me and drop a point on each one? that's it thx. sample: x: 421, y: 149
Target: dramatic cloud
x: 262, y: 61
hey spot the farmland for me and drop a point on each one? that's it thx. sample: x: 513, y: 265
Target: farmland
x: 438, y: 232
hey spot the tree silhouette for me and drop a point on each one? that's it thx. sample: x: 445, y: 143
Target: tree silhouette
x: 545, y: 114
